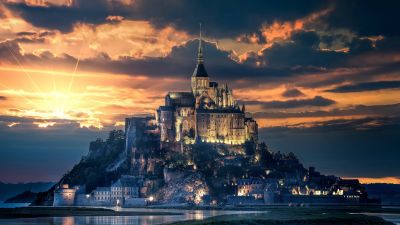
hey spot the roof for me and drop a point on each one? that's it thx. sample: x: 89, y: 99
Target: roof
x: 252, y: 180
x: 200, y: 70
x: 180, y: 99
x: 127, y: 181
x: 103, y: 189
x: 213, y: 84
x: 180, y: 94
x: 219, y: 110
x: 166, y: 108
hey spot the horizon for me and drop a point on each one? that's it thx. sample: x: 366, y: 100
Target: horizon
x: 322, y: 81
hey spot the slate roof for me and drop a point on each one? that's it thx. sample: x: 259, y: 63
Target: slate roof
x: 126, y: 182
x: 103, y: 189
x: 200, y: 71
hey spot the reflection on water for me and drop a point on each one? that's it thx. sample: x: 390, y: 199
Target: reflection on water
x: 122, y: 220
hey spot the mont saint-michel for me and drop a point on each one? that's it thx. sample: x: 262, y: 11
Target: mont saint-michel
x: 185, y: 112
x: 201, y: 148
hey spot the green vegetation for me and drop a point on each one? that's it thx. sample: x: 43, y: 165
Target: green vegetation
x: 92, y: 169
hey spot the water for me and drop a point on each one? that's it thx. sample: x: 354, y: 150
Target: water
x: 142, y: 220
x: 125, y: 220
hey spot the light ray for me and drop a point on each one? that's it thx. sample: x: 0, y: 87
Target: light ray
x: 23, y: 69
x: 74, y: 73
x: 22, y: 96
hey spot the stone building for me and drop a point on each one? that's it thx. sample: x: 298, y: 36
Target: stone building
x: 66, y: 196
x: 127, y: 187
x: 209, y: 113
x: 251, y: 187
x: 102, y: 194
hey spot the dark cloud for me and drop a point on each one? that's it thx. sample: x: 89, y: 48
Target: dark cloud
x: 368, y: 86
x: 179, y: 63
x: 336, y: 146
x: 301, y: 51
x: 294, y: 92
x: 317, y: 101
x: 62, y: 18
x: 366, y: 18
x: 3, y: 98
x: 390, y: 110
x: 236, y: 18
x: 281, y: 63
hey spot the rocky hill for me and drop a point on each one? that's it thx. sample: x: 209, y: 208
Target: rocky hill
x: 213, y: 169
x: 24, y: 197
x: 182, y: 176
x: 8, y: 190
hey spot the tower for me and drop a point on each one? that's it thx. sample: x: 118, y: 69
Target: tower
x: 200, y: 80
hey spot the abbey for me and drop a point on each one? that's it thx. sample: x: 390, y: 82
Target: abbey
x: 208, y: 113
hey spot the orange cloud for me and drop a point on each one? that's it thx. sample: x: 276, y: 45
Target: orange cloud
x: 137, y: 39
x: 281, y: 31
x: 43, y: 3
x: 374, y: 180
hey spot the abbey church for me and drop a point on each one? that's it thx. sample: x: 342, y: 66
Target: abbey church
x: 208, y: 113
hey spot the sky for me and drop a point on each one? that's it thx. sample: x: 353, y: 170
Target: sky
x: 322, y: 78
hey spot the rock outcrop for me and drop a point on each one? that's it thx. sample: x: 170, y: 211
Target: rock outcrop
x: 183, y: 187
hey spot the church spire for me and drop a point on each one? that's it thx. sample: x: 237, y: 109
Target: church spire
x: 200, y: 70
x: 200, y: 51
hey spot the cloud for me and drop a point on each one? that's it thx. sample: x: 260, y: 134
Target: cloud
x: 3, y: 98
x: 389, y: 110
x: 317, y: 101
x: 366, y: 18
x: 294, y: 92
x: 62, y: 18
x: 335, y: 146
x: 301, y: 51
x: 368, y: 86
x: 184, y: 15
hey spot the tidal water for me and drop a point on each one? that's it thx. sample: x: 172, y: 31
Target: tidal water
x: 143, y: 220
x: 125, y: 220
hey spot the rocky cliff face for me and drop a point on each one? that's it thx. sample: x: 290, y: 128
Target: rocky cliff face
x: 183, y: 187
